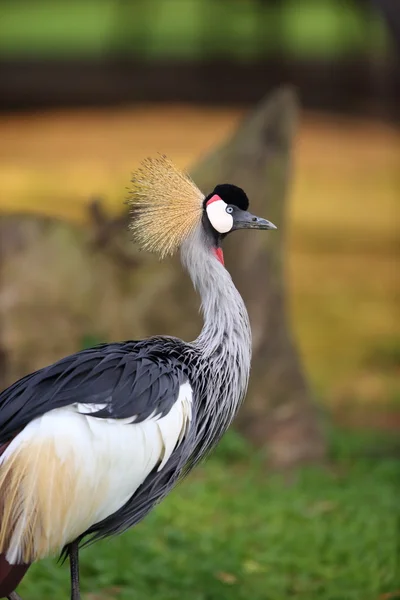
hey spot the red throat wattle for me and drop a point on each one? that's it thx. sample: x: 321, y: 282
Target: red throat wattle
x: 219, y: 255
x: 217, y: 251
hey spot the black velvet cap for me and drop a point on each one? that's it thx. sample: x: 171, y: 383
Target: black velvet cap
x: 231, y: 194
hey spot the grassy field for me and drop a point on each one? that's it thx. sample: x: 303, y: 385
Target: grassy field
x: 187, y: 29
x: 342, y: 248
x: 230, y: 532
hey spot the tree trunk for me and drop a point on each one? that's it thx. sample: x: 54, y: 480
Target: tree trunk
x: 63, y: 287
x: 278, y: 414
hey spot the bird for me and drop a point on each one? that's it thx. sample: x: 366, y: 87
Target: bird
x: 92, y: 443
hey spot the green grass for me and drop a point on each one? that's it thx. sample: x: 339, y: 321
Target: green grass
x: 186, y: 28
x: 233, y: 532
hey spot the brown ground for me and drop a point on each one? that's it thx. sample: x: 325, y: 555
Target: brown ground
x: 343, y: 242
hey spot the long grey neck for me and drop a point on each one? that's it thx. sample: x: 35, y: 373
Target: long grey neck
x: 225, y: 340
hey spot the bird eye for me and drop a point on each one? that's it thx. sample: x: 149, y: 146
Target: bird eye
x: 229, y: 209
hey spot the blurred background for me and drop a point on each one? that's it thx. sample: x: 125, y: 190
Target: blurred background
x: 88, y: 88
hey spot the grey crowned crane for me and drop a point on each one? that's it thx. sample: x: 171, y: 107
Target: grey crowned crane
x: 90, y: 444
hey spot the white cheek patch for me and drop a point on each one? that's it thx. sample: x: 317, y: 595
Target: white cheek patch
x: 219, y: 218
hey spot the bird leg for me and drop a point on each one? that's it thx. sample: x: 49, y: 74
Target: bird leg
x: 74, y: 570
x: 14, y: 596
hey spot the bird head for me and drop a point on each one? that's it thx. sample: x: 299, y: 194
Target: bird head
x: 166, y: 207
x: 226, y: 211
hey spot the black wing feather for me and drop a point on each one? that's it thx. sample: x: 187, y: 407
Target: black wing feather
x: 130, y: 378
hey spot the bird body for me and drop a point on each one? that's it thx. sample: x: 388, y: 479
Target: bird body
x: 91, y: 443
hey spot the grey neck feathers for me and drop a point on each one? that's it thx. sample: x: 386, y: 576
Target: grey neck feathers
x: 225, y: 340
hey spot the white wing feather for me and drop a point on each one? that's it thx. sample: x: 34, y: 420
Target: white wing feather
x: 96, y: 465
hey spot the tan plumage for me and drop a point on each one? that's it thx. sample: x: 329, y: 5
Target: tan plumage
x: 43, y: 505
x: 165, y: 205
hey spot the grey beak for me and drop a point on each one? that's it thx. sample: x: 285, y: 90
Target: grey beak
x: 246, y: 220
